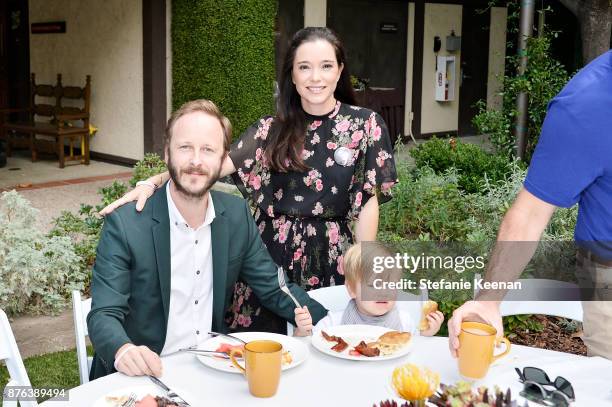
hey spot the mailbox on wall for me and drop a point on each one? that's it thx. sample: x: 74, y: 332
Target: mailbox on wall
x: 445, y: 79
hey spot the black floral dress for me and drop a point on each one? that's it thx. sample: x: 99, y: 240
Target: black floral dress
x: 305, y: 218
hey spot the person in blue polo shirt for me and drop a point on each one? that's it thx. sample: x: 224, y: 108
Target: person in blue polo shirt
x: 572, y: 164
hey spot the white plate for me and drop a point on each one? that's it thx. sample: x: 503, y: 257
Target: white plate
x: 299, y: 351
x: 353, y: 334
x: 140, y: 391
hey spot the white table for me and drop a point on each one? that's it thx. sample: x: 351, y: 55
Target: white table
x: 326, y: 381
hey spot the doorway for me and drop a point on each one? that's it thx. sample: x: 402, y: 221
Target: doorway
x: 474, y: 65
x: 14, y: 54
x: 374, y: 33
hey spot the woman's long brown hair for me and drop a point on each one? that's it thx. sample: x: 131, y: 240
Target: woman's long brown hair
x: 286, y: 140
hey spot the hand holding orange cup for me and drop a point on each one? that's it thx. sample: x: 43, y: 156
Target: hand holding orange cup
x: 477, y: 343
x: 262, y: 369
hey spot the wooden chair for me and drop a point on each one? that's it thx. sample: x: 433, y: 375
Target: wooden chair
x: 52, y: 117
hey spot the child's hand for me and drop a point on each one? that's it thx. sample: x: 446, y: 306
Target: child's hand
x: 435, y: 320
x: 303, y: 320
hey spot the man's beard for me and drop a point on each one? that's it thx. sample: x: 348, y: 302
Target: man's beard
x: 174, y: 175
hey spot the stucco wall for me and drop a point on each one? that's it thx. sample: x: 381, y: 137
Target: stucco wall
x: 497, y: 54
x: 315, y: 13
x: 440, y: 19
x: 102, y: 39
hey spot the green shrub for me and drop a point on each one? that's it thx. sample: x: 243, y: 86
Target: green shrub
x: 543, y: 79
x: 83, y: 228
x: 224, y: 51
x: 472, y: 163
x: 150, y: 165
x: 37, y: 272
x: 431, y: 207
x: 425, y: 204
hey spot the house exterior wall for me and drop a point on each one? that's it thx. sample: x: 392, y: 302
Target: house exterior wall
x: 315, y: 13
x: 440, y: 20
x: 103, y: 39
x: 497, y: 55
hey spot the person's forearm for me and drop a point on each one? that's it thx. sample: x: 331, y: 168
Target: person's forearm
x: 366, y: 226
x: 517, y: 241
x: 159, y: 179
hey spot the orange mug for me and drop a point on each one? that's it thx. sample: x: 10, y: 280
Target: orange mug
x: 477, y: 342
x: 262, y: 369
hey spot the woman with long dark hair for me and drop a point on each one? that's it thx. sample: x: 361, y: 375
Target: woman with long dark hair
x: 315, y: 173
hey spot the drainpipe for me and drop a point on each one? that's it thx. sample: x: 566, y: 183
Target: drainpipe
x: 526, y: 30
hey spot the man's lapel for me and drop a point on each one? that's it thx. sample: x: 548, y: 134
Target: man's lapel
x: 161, y: 240
x: 219, y: 234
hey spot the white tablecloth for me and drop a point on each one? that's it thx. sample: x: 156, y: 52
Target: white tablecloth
x: 327, y: 381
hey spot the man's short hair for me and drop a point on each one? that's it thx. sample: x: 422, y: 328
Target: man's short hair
x: 202, y: 106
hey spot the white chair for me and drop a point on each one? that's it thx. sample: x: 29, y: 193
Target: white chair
x: 335, y: 298
x: 80, y: 309
x: 9, y: 353
x: 547, y: 292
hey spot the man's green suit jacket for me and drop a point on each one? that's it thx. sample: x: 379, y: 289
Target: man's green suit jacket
x: 131, y: 277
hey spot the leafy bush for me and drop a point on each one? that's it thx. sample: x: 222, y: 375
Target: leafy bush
x: 151, y: 164
x: 83, y: 228
x: 472, y: 163
x: 224, y: 51
x: 543, y: 79
x: 425, y: 205
x: 432, y: 207
x: 37, y: 272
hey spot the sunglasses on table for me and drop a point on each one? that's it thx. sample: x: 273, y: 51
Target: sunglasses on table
x: 534, y: 381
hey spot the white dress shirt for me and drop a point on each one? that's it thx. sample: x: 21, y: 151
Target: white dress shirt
x: 191, y: 280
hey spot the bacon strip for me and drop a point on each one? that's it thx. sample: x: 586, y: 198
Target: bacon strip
x: 340, y: 345
x: 365, y: 350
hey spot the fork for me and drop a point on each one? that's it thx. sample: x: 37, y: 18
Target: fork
x: 227, y: 336
x: 283, y: 286
x: 130, y: 402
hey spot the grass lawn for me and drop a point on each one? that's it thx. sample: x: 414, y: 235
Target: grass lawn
x: 58, y: 369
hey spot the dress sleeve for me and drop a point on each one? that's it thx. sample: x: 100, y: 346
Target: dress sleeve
x: 247, y: 155
x: 375, y: 172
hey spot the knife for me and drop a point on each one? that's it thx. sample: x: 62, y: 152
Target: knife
x: 169, y: 393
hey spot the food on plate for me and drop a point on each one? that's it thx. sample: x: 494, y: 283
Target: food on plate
x: 391, y: 342
x: 387, y: 344
x: 428, y: 308
x: 146, y: 401
x: 341, y: 344
x: 226, y: 348
x: 367, y: 350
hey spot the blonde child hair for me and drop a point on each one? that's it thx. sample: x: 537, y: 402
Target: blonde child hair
x: 358, y: 262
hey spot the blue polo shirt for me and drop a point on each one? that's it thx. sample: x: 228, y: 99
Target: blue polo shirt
x: 572, y: 162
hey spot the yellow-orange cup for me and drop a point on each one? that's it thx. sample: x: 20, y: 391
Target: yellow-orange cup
x: 262, y: 366
x: 476, y: 346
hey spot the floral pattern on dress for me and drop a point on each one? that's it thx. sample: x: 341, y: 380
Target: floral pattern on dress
x: 305, y: 218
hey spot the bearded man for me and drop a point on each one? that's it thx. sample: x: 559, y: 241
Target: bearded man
x: 163, y: 277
